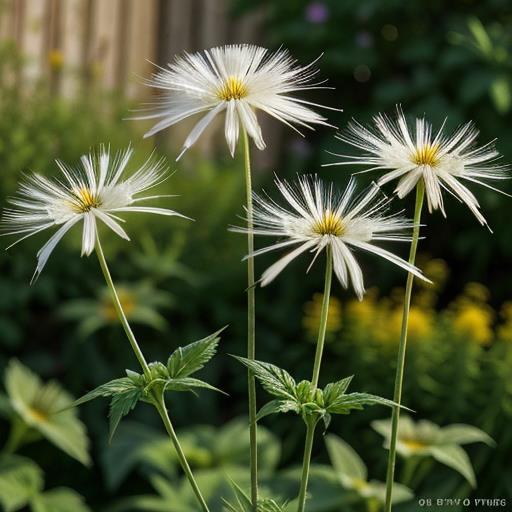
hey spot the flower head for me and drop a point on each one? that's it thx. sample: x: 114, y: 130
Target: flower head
x: 426, y: 439
x: 238, y: 79
x: 95, y: 191
x: 319, y: 218
x: 410, y: 155
x: 45, y: 407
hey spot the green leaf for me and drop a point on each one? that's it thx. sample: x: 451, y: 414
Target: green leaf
x: 59, y: 500
x: 345, y: 403
x: 278, y: 406
x: 242, y: 498
x: 274, y: 380
x: 114, y: 387
x: 344, y: 458
x: 20, y: 480
x: 47, y: 408
x: 464, y: 434
x: 187, y: 384
x: 501, y: 95
x: 456, y: 458
x: 336, y: 389
x: 482, y: 39
x: 121, y: 404
x: 189, y: 359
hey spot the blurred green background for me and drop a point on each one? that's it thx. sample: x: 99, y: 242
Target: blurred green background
x: 182, y: 280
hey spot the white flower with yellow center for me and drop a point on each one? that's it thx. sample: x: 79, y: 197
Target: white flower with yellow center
x: 410, y: 155
x: 319, y: 218
x: 238, y: 79
x: 96, y: 191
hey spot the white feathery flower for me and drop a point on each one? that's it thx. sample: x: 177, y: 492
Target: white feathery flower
x: 95, y: 191
x: 239, y: 79
x: 319, y: 217
x: 409, y: 155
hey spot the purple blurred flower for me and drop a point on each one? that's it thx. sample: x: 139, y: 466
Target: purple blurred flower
x: 317, y: 12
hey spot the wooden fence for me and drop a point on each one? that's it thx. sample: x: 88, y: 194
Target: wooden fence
x: 75, y: 45
x: 113, y: 42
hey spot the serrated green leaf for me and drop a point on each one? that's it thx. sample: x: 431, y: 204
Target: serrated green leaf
x: 344, y: 458
x: 278, y: 406
x: 122, y: 385
x: 59, y: 500
x: 345, y: 403
x: 189, y: 359
x: 335, y: 389
x: 20, y: 480
x: 456, y: 458
x: 120, y: 405
x: 187, y: 384
x: 242, y: 498
x: 273, y: 379
x: 303, y: 391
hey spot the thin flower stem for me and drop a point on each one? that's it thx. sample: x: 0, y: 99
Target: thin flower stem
x: 162, y: 410
x: 311, y: 422
x: 158, y: 401
x: 251, y: 326
x: 323, y: 318
x: 119, y: 308
x: 397, y: 396
x: 308, y: 447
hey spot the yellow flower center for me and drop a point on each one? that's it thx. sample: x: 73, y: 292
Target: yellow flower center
x: 413, y: 444
x: 38, y: 415
x: 84, y: 200
x: 428, y: 154
x: 232, y: 89
x: 329, y: 224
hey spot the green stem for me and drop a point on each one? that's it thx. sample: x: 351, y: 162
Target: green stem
x: 397, y: 396
x: 119, y: 309
x: 158, y: 402
x: 251, y: 326
x: 308, y: 447
x: 323, y: 318
x: 311, y: 422
x: 162, y: 410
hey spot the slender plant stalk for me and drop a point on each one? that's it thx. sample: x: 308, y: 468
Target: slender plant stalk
x: 308, y: 446
x: 311, y: 423
x: 251, y: 326
x: 158, y: 400
x: 323, y: 318
x: 119, y: 309
x: 162, y: 410
x: 397, y: 396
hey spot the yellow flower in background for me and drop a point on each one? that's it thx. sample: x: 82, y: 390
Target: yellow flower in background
x: 471, y: 317
x: 312, y: 312
x: 363, y: 313
x: 128, y: 302
x: 55, y: 59
x: 421, y: 324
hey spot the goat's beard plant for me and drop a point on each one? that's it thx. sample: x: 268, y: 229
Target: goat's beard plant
x: 97, y: 192
x: 237, y: 80
x: 429, y: 163
x: 321, y: 220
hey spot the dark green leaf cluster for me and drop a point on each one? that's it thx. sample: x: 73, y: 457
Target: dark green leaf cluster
x: 125, y: 392
x: 304, y: 399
